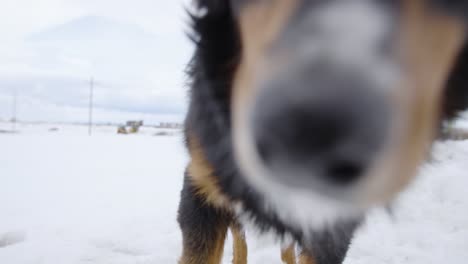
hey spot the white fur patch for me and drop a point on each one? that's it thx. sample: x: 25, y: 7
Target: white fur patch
x: 350, y: 34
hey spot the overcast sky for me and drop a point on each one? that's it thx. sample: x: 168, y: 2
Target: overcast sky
x: 136, y: 51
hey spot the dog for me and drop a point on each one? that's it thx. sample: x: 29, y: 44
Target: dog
x: 305, y: 114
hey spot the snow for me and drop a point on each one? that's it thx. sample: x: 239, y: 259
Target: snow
x: 69, y: 198
x: 430, y: 221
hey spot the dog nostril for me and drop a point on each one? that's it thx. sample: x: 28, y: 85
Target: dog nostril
x: 264, y: 150
x: 298, y: 132
x: 344, y: 172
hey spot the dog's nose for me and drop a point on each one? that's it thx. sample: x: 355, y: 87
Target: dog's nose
x: 308, y: 137
x: 322, y: 128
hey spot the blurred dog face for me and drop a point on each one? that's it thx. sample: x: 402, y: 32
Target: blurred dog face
x: 335, y: 103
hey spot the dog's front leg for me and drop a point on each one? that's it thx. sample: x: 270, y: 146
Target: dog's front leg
x: 203, y: 226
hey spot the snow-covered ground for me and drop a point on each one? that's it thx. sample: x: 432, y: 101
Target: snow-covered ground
x: 66, y: 198
x: 70, y: 129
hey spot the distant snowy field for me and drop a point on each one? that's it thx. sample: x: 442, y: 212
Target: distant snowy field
x: 67, y: 198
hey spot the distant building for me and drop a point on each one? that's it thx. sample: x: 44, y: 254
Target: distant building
x: 133, y: 123
x: 170, y: 125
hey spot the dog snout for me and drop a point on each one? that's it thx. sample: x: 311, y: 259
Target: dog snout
x: 319, y: 127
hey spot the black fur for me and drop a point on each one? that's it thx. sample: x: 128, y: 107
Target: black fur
x: 456, y: 92
x: 331, y: 246
x: 211, y: 72
x: 453, y: 7
x: 201, y: 223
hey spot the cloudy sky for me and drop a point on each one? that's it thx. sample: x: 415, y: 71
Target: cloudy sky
x: 135, y: 50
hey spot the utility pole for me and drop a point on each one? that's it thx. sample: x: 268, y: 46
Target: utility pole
x: 14, y: 110
x: 91, y: 94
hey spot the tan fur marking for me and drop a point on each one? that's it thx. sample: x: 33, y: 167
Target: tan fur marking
x: 288, y: 255
x: 430, y: 43
x: 305, y: 258
x: 215, y: 255
x: 201, y: 174
x: 219, y: 248
x: 240, y: 245
x: 260, y: 24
